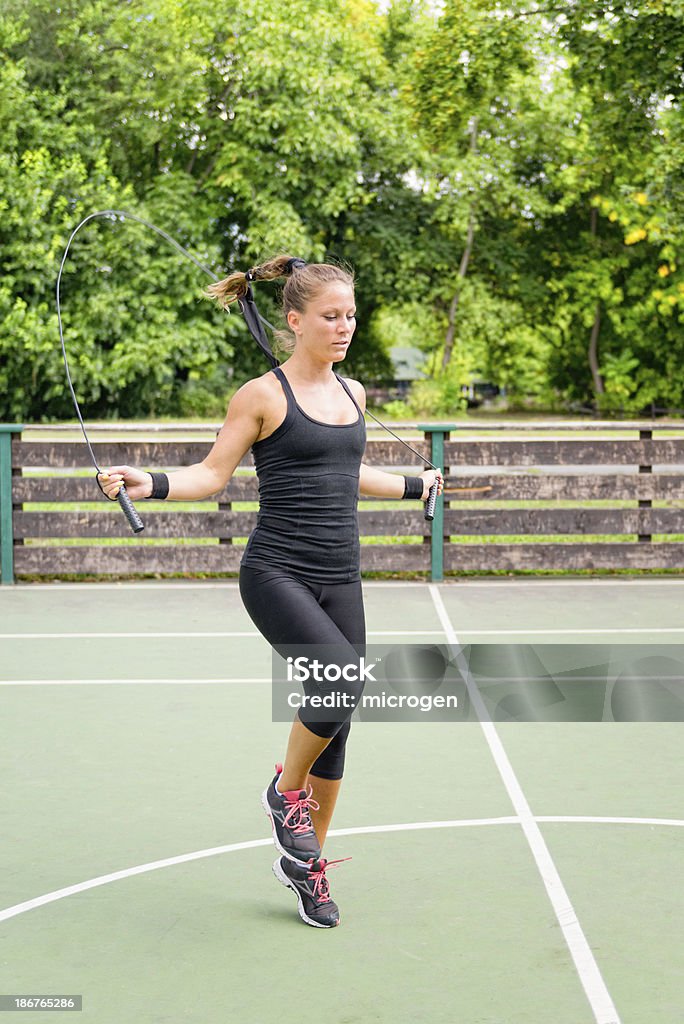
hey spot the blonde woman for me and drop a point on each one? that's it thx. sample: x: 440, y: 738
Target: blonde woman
x: 299, y: 576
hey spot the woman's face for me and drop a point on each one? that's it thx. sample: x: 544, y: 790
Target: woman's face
x: 326, y: 326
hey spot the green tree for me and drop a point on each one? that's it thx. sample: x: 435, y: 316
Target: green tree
x: 625, y: 62
x: 546, y: 133
x: 242, y: 135
x: 506, y: 181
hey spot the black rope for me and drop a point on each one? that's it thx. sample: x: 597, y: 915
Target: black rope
x: 385, y: 427
x: 141, y: 220
x: 252, y: 316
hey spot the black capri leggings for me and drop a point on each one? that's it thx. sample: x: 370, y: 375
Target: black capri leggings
x: 290, y: 613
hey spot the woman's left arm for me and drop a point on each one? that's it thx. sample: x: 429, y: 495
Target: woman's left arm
x: 378, y: 484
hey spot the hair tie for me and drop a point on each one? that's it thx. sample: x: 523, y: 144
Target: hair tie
x: 249, y: 276
x: 294, y: 264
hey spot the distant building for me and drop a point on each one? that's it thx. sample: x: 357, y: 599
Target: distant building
x: 480, y: 392
x: 407, y: 363
x: 408, y: 368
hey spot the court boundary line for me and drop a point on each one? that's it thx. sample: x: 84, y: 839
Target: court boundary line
x: 235, y: 634
x: 456, y: 581
x: 262, y: 680
x: 134, y: 682
x: 587, y: 968
x: 232, y: 634
x: 45, y: 899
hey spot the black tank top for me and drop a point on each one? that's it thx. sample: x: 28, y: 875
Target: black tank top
x: 308, y: 474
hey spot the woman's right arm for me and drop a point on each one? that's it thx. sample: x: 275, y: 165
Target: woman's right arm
x: 239, y: 432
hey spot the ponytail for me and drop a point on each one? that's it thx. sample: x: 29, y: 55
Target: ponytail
x: 304, y: 281
x: 236, y: 285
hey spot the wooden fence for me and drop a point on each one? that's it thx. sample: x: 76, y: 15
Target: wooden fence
x: 616, y: 502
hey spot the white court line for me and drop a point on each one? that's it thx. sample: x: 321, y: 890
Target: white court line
x: 120, y: 636
x: 215, y: 851
x: 593, y: 820
x: 590, y: 976
x: 267, y: 679
x: 178, y: 633
x: 607, y: 631
x: 455, y: 582
x: 533, y: 582
x: 138, y: 585
x: 571, y: 632
x: 142, y: 585
x: 128, y: 682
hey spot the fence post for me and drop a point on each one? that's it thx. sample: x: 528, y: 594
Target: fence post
x: 437, y: 434
x: 6, y: 526
x: 645, y: 435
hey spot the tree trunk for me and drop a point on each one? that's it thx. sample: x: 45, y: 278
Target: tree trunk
x: 596, y: 327
x: 593, y: 352
x: 453, y: 308
x: 463, y: 266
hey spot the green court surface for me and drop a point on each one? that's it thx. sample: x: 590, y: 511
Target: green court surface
x: 501, y: 873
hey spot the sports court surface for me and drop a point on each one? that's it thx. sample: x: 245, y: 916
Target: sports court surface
x: 508, y: 873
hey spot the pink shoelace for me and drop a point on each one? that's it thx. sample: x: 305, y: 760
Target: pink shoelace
x: 321, y: 889
x: 298, y: 819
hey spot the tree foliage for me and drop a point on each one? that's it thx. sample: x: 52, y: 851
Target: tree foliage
x: 505, y: 179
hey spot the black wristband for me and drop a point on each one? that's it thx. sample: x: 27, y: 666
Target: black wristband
x: 160, y: 485
x: 413, y: 487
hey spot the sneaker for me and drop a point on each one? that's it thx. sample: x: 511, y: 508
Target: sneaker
x: 293, y: 831
x: 309, y: 883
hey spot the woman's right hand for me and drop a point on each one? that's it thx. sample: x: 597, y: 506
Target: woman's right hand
x: 138, y: 483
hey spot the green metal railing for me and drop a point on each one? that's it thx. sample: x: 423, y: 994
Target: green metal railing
x: 437, y: 433
x: 6, y: 529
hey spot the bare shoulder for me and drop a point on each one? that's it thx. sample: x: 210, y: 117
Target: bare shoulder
x: 261, y: 403
x: 357, y: 389
x: 255, y: 394
x: 244, y: 422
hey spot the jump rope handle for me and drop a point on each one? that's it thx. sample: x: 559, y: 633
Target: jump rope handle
x: 134, y: 521
x: 431, y: 502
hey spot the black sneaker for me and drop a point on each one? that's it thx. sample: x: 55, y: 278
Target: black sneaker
x: 309, y: 883
x: 293, y: 831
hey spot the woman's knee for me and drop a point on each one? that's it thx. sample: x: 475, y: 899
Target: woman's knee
x: 333, y: 684
x: 330, y: 764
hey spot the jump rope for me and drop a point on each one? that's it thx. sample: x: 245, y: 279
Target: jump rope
x: 254, y: 321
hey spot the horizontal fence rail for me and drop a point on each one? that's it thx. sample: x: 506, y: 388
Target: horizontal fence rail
x: 544, y: 503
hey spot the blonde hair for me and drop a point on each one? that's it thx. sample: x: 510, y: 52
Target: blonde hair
x: 304, y: 282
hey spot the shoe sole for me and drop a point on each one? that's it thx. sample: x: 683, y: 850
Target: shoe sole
x: 288, y: 883
x: 269, y: 814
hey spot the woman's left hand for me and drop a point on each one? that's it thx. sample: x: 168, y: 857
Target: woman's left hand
x: 429, y: 477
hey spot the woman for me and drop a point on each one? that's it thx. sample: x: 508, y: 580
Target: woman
x: 299, y: 575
